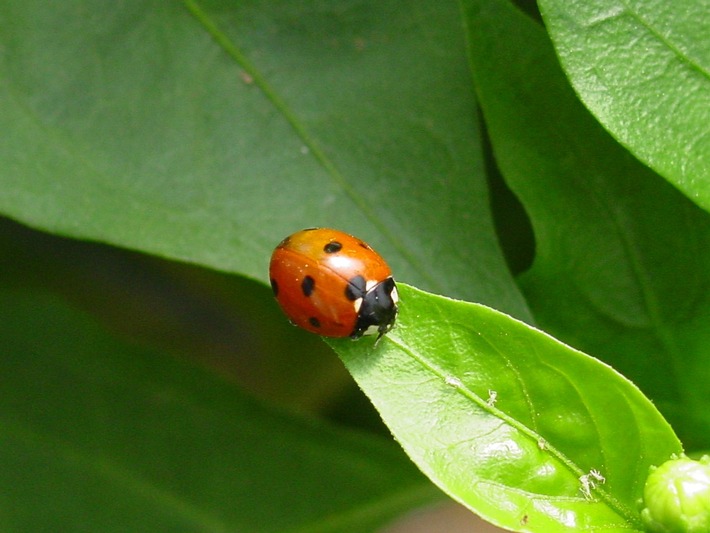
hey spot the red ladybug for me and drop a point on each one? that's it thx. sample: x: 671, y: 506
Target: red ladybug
x: 333, y: 284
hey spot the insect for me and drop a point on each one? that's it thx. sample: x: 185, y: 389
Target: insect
x: 333, y: 284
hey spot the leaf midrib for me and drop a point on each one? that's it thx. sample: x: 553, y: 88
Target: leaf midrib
x: 331, y: 169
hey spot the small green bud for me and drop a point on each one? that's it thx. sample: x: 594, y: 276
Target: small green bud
x: 676, y: 497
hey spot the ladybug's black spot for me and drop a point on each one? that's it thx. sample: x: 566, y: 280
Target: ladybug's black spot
x: 274, y: 287
x: 355, y: 288
x: 332, y: 247
x: 313, y: 321
x: 307, y: 286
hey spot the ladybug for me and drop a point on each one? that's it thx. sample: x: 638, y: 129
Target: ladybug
x: 333, y: 284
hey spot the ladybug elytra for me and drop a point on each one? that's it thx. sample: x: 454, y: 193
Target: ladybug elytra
x: 333, y: 284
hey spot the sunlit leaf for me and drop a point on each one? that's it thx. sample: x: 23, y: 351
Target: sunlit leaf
x: 527, y: 432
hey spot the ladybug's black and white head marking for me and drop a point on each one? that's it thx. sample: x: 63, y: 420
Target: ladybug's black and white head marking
x: 378, y: 310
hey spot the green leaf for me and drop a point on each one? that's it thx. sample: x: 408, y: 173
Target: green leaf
x: 508, y: 421
x: 622, y: 258
x: 207, y: 131
x: 643, y: 69
x: 99, y: 435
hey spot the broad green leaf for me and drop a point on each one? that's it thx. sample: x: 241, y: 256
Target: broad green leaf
x: 643, y: 69
x: 99, y: 435
x: 208, y: 130
x: 622, y: 258
x: 509, y: 421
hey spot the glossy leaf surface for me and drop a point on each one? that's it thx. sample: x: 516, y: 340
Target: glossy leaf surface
x: 643, y: 69
x: 509, y: 421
